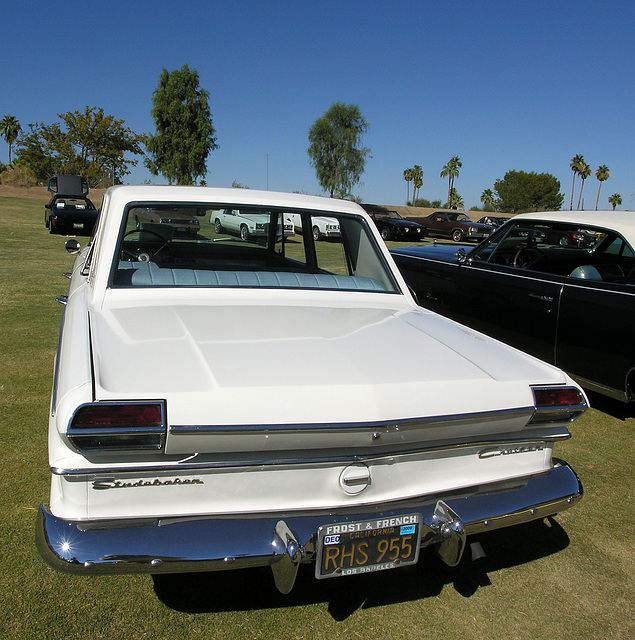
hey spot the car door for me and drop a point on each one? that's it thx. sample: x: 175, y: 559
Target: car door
x: 440, y: 225
x: 595, y: 340
x: 514, y: 305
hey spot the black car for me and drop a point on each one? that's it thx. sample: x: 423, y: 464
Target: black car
x: 392, y: 226
x: 494, y: 221
x: 69, y: 210
x: 567, y: 303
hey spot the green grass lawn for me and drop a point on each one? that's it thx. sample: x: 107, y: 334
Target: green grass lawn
x: 569, y: 577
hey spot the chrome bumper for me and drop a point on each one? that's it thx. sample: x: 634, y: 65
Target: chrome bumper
x: 283, y: 541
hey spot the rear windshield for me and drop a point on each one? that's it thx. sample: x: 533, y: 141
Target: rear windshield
x: 193, y: 245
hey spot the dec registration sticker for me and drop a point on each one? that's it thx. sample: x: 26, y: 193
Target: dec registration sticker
x: 349, y: 548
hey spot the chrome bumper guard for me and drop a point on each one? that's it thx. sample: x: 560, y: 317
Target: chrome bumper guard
x: 283, y: 541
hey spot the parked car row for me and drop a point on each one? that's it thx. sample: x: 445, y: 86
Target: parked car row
x: 222, y: 404
x: 558, y: 285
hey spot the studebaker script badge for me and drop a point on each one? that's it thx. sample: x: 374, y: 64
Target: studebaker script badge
x: 111, y: 483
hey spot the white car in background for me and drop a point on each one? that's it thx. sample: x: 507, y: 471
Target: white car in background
x: 247, y: 223
x: 189, y: 431
x: 321, y: 226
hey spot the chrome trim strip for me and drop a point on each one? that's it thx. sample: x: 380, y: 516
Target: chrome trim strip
x: 347, y: 426
x: 208, y: 544
x: 176, y: 466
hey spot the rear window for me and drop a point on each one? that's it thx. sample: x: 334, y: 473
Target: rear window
x: 193, y: 245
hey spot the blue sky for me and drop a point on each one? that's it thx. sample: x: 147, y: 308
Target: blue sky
x: 503, y: 85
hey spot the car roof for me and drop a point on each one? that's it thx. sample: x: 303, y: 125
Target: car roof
x: 623, y: 222
x: 226, y: 196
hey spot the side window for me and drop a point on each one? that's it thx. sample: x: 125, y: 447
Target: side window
x: 619, y: 248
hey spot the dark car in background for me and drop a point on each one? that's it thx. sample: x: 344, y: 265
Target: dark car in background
x: 455, y: 225
x: 493, y: 221
x: 182, y: 221
x: 393, y: 226
x: 570, y: 303
x: 69, y: 210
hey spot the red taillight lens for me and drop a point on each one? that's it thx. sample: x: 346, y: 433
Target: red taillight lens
x: 558, y: 404
x: 104, y: 426
x: 558, y: 397
x: 118, y: 415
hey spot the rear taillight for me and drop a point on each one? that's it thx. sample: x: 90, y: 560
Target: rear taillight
x: 558, y: 404
x: 129, y: 426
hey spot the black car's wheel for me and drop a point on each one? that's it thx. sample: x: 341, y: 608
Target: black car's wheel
x: 385, y: 234
x: 52, y: 226
x: 244, y: 232
x: 316, y: 233
x: 457, y: 235
x: 218, y: 227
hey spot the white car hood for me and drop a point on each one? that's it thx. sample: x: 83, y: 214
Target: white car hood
x: 258, y: 365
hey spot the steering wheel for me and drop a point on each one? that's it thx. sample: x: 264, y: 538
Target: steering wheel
x: 138, y: 256
x: 527, y: 257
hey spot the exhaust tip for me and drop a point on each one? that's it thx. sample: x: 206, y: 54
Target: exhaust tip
x: 477, y: 551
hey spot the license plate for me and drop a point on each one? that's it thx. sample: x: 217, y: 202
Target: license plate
x: 350, y: 548
x: 181, y: 229
x: 78, y: 225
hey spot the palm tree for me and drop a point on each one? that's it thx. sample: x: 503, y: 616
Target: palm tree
x: 601, y: 174
x: 10, y: 130
x: 487, y: 197
x: 451, y: 171
x: 456, y: 201
x: 584, y: 172
x: 417, y: 181
x: 576, y: 162
x: 407, y: 176
x: 615, y: 200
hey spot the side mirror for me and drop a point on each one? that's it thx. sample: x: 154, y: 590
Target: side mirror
x: 461, y: 255
x: 72, y: 246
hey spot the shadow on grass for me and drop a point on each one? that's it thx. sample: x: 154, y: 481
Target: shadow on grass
x: 615, y: 408
x: 244, y: 590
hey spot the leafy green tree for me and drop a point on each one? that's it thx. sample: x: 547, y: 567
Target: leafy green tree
x: 428, y: 204
x: 615, y: 200
x: 88, y: 143
x: 184, y: 134
x: 451, y: 172
x: 407, y: 176
x: 10, y: 130
x: 520, y: 191
x: 584, y: 172
x: 335, y: 148
x: 602, y: 173
x: 576, y: 163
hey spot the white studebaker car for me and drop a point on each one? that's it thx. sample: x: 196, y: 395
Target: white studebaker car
x: 220, y: 404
